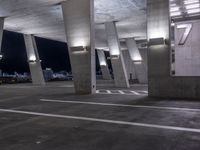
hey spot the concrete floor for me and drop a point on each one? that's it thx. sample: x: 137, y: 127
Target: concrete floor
x: 53, y: 118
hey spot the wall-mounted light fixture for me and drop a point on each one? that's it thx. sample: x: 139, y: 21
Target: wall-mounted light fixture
x: 79, y: 49
x: 32, y: 59
x: 103, y: 64
x: 157, y: 41
x: 114, y: 57
x: 1, y: 56
x: 137, y: 62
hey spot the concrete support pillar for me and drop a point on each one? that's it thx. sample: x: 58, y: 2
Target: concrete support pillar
x: 1, y: 31
x: 130, y: 67
x: 104, y: 66
x: 34, y: 60
x: 79, y: 26
x: 136, y: 57
x: 119, y: 70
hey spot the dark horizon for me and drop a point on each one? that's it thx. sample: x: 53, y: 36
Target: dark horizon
x: 53, y: 54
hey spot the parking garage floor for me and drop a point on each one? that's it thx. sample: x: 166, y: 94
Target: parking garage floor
x: 53, y: 118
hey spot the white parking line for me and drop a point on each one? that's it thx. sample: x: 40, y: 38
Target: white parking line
x: 121, y: 105
x: 108, y: 91
x: 146, y: 92
x: 97, y: 91
x: 121, y: 92
x: 134, y: 92
x: 103, y: 120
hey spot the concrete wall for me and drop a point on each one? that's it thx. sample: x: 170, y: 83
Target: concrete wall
x: 187, y: 56
x: 161, y: 84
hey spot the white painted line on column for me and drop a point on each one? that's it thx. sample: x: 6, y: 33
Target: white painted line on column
x: 121, y: 92
x: 103, y: 120
x: 146, y: 92
x: 134, y: 92
x: 121, y: 105
x: 108, y: 91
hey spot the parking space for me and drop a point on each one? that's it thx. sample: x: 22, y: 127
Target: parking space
x: 53, y: 118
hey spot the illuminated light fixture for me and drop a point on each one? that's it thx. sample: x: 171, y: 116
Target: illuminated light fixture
x: 172, y: 9
x: 103, y: 63
x: 192, y: 6
x: 156, y: 41
x: 32, y: 59
x: 173, y: 5
x: 175, y: 13
x: 113, y: 57
x: 186, y: 2
x: 79, y: 50
x: 193, y: 11
x: 137, y: 62
x: 1, y: 56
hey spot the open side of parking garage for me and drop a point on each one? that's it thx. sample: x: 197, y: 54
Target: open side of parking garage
x: 160, y: 112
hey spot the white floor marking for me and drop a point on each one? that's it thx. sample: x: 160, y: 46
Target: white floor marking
x: 97, y: 91
x: 146, y: 92
x: 121, y: 105
x: 103, y: 120
x: 108, y: 91
x: 136, y: 93
x: 121, y: 92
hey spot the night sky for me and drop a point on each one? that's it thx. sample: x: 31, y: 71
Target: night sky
x: 52, y: 53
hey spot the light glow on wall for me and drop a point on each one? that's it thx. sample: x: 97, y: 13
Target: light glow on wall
x: 102, y: 58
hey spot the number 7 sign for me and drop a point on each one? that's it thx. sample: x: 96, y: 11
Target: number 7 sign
x: 188, y: 28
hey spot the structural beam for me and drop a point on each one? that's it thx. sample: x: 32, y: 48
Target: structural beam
x: 103, y: 64
x: 119, y: 70
x: 34, y: 60
x: 79, y: 26
x: 161, y: 83
x: 136, y: 57
x: 1, y: 31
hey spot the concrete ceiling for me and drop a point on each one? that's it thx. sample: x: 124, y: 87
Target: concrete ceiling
x: 43, y: 18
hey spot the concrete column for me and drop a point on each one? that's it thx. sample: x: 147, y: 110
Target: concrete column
x: 34, y: 60
x: 130, y: 68
x: 136, y: 57
x: 104, y: 66
x: 79, y: 26
x: 1, y: 31
x: 119, y: 70
x: 161, y: 83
